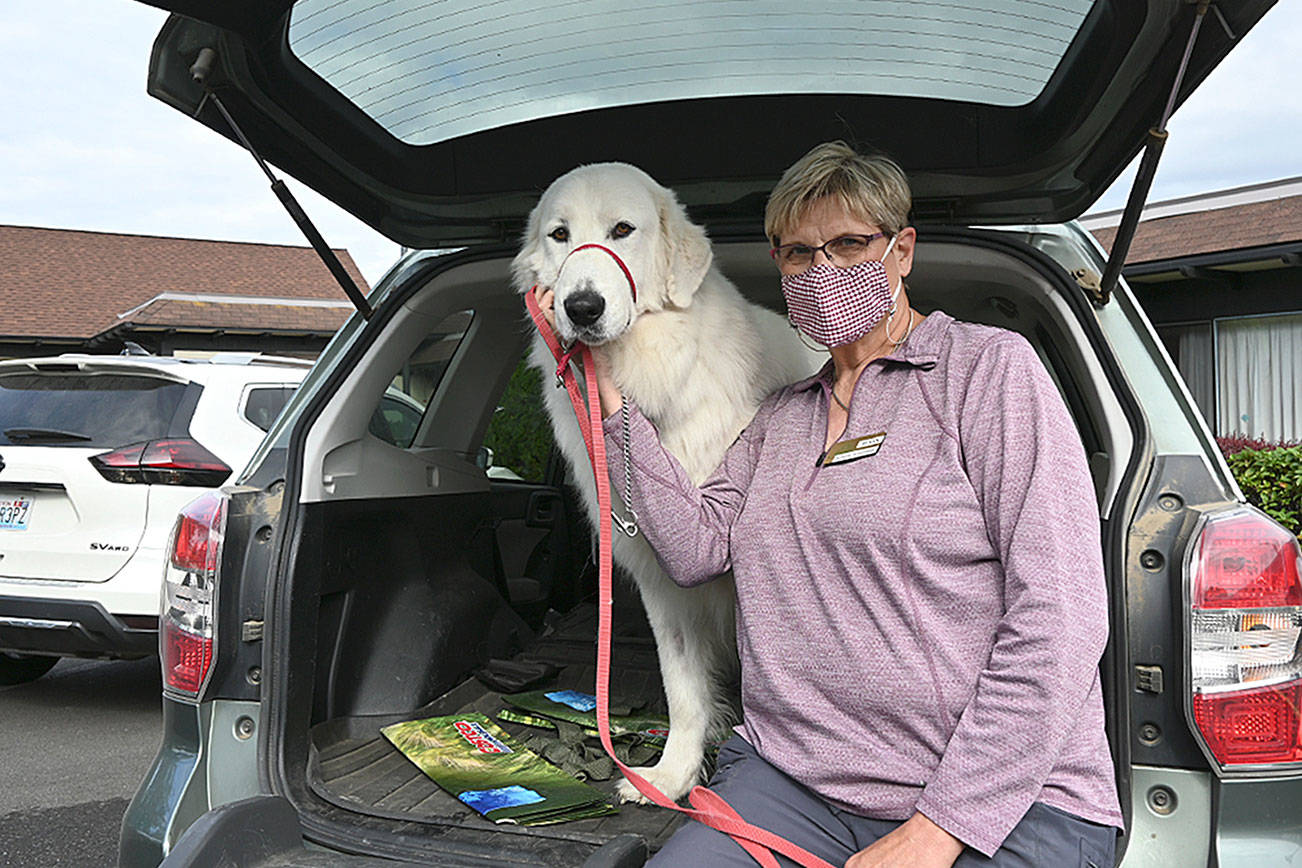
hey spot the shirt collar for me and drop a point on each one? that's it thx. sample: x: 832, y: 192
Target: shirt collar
x: 921, y: 350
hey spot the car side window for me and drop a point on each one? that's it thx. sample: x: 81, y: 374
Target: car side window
x: 400, y: 409
x: 520, y: 434
x: 264, y: 404
x: 396, y: 420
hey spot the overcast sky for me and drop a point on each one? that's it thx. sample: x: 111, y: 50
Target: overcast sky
x: 83, y: 147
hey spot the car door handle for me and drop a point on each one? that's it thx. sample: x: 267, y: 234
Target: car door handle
x: 542, y: 509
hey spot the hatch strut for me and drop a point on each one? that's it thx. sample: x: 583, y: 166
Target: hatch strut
x: 1147, y: 169
x: 199, y: 71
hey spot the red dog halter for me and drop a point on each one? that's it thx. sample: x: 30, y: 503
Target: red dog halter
x: 562, y: 355
x: 628, y: 275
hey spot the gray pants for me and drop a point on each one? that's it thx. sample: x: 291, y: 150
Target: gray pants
x: 1045, y: 838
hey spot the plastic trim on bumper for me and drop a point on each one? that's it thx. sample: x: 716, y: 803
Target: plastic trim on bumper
x: 81, y: 628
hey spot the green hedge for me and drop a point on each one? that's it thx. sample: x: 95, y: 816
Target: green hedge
x: 1271, y: 479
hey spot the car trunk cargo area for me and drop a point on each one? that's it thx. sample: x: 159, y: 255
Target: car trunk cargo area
x: 408, y: 609
x: 354, y: 767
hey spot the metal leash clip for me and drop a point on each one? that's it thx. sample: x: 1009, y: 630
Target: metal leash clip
x: 627, y: 525
x: 563, y: 364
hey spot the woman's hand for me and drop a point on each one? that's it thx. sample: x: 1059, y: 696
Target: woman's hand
x: 916, y: 843
x: 546, y: 299
x: 607, y: 391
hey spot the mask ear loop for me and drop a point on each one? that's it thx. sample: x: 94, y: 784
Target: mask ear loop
x: 806, y: 340
x: 895, y: 295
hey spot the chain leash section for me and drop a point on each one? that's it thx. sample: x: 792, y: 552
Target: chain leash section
x: 627, y: 525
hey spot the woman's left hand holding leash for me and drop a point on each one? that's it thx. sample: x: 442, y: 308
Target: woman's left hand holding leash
x: 916, y: 843
x: 546, y: 299
x: 611, y: 399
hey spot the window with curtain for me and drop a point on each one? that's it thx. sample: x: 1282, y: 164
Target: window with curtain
x: 1259, y: 373
x: 1191, y: 347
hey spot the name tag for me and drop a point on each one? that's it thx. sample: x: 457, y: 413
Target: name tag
x: 852, y: 449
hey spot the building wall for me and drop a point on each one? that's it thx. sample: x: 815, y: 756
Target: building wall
x: 1237, y: 342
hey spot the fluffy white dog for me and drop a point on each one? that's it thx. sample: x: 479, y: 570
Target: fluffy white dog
x: 697, y: 359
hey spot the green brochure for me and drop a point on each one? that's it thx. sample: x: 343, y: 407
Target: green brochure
x: 576, y: 707
x: 482, y: 765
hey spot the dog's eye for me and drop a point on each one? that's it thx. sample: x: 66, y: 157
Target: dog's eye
x: 622, y: 230
x: 560, y: 233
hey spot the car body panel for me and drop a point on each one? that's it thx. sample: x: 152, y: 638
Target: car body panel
x: 969, y: 162
x: 263, y: 831
x: 219, y: 423
x: 167, y: 789
x: 1169, y: 824
x: 81, y: 528
x: 206, y: 759
x: 1256, y: 822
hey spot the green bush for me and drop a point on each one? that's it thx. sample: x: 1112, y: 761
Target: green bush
x: 1271, y: 479
x: 520, y: 434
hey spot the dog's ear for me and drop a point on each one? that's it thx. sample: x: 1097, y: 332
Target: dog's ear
x: 685, y: 251
x: 528, y: 262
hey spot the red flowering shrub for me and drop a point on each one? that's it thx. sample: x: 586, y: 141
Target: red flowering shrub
x: 1238, y: 442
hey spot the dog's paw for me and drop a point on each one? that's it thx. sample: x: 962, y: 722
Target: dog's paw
x: 673, y: 782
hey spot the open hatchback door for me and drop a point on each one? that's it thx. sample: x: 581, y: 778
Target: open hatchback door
x: 438, y: 125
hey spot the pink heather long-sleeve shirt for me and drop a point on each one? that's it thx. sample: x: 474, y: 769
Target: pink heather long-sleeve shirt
x: 920, y: 628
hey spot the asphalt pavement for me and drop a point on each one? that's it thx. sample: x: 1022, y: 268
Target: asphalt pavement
x: 74, y: 746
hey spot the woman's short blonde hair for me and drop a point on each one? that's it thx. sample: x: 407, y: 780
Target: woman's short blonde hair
x: 870, y: 187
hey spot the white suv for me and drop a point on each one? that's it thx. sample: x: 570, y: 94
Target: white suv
x: 97, y: 455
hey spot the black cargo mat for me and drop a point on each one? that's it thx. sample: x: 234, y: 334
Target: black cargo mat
x: 352, y: 766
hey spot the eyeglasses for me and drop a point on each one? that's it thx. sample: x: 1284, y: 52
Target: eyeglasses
x: 841, y: 251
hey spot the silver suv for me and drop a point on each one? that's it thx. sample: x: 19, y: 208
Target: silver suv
x: 344, y: 583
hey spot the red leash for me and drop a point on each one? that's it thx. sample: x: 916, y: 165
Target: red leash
x: 708, y: 807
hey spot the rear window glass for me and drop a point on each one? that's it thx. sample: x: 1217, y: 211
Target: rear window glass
x: 86, y: 409
x: 428, y: 72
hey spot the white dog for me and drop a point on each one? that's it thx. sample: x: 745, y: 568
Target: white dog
x: 697, y: 359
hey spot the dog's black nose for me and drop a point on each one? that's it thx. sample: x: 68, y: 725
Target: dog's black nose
x: 584, y: 307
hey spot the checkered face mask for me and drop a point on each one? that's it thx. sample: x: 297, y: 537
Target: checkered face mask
x: 836, y: 306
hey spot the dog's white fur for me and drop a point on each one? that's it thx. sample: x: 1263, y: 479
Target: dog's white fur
x: 697, y: 359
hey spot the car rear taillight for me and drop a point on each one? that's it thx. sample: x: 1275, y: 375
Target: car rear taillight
x: 179, y: 461
x: 1245, y: 590
x: 185, y: 626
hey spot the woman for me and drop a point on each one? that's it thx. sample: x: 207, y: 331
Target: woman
x: 914, y: 537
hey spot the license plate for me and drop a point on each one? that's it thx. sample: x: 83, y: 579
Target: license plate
x: 14, y: 512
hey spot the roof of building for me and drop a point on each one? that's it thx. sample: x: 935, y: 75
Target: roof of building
x: 74, y: 283
x: 1255, y: 218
